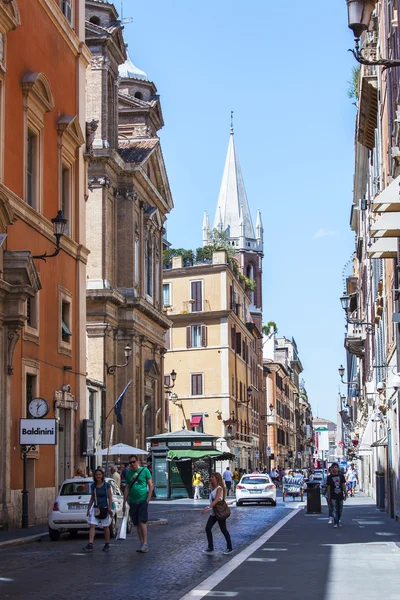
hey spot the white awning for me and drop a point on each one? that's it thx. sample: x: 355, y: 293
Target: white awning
x: 389, y: 199
x: 383, y: 248
x: 367, y: 436
x: 387, y: 225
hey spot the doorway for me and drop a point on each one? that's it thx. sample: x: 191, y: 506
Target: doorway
x: 64, y: 435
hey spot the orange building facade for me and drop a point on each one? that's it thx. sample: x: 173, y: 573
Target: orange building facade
x: 43, y: 169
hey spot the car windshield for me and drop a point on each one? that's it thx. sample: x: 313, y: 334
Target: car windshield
x: 75, y: 489
x: 255, y: 480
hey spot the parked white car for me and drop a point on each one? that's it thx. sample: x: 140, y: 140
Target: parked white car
x: 255, y: 487
x: 70, y: 508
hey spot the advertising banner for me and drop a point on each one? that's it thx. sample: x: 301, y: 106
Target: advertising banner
x: 37, y: 431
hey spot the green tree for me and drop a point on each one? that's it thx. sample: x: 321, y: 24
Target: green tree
x: 352, y: 91
x: 270, y: 329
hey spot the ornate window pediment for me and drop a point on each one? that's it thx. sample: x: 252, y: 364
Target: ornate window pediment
x: 36, y: 89
x: 9, y: 15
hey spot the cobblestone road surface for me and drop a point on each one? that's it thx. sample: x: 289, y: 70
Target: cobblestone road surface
x: 175, y: 563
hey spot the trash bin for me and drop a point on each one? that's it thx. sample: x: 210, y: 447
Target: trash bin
x: 313, y: 497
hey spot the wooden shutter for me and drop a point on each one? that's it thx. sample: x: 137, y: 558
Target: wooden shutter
x: 203, y: 336
x: 238, y: 343
x: 197, y: 384
x: 196, y: 293
x: 233, y: 338
x: 188, y: 337
x: 231, y: 297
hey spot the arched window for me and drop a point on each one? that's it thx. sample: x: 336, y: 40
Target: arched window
x: 139, y: 95
x: 250, y: 275
x: 95, y: 20
x: 149, y: 267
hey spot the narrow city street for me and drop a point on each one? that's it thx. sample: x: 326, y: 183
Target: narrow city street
x: 174, y: 564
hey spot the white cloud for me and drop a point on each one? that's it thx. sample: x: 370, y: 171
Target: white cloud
x: 321, y: 233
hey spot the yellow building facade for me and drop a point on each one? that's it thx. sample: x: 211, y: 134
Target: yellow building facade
x: 213, y: 350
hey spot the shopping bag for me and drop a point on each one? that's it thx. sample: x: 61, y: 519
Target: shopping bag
x: 122, y: 528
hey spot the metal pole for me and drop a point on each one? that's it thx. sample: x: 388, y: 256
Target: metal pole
x: 25, y: 491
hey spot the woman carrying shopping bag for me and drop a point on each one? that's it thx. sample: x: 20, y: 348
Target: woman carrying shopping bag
x: 99, y: 512
x: 219, y: 512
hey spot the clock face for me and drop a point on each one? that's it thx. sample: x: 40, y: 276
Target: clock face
x: 38, y: 408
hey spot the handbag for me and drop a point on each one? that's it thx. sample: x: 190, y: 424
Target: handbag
x: 101, y: 512
x: 222, y: 510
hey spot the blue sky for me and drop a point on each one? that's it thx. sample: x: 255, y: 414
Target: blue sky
x: 284, y: 70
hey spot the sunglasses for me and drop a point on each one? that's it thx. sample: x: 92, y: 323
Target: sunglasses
x: 132, y: 462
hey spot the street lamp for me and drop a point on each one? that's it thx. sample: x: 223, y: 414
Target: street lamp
x: 59, y: 229
x: 128, y: 353
x: 271, y: 413
x: 169, y: 386
x: 345, y: 302
x: 359, y: 17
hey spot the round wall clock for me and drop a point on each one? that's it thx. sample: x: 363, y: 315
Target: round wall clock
x: 38, y: 408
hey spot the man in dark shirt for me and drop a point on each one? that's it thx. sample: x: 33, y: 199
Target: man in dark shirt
x: 336, y: 492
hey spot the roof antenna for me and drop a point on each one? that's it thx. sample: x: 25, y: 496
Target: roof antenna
x: 232, y: 121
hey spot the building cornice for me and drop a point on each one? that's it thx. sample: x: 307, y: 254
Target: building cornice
x: 65, y: 30
x: 22, y: 210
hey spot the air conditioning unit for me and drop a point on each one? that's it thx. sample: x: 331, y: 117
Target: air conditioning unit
x: 395, y: 152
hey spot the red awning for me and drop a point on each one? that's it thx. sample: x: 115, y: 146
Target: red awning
x: 196, y: 420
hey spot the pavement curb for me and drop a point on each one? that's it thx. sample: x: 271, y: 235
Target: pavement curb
x: 23, y: 540
x: 38, y: 536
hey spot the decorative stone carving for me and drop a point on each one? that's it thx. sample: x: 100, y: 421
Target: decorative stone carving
x: 96, y: 182
x: 126, y: 194
x: 91, y: 128
x: 100, y: 62
x: 12, y: 339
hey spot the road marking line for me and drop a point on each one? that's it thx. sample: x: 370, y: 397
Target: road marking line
x: 262, y: 559
x: 274, y: 549
x: 215, y: 579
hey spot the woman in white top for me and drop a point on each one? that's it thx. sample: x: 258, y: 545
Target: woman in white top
x: 218, y: 492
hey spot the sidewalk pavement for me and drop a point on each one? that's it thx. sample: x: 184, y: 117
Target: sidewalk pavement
x: 307, y: 559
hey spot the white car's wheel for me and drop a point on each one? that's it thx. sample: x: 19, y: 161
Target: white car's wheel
x: 54, y: 534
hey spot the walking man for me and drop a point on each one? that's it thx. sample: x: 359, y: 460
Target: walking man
x: 336, y: 492
x: 138, y: 491
x: 228, y: 478
x: 352, y: 479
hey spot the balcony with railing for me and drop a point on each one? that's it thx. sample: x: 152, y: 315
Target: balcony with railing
x: 355, y: 338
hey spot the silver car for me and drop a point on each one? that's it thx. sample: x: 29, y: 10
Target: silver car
x: 70, y: 508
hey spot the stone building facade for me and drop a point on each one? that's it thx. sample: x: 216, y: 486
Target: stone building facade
x: 129, y: 198
x: 42, y: 304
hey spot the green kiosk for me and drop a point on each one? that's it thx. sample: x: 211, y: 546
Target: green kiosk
x: 176, y: 455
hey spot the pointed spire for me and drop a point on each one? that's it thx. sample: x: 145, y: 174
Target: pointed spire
x: 259, y: 225
x: 232, y: 196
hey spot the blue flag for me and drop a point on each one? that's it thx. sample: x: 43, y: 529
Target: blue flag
x: 118, y: 404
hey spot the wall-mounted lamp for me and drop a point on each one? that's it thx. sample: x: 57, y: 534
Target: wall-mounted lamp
x: 59, y: 229
x: 359, y: 17
x: 168, y: 386
x: 345, y: 302
x: 128, y: 353
x: 270, y: 414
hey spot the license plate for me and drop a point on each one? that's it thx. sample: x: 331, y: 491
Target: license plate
x: 255, y: 491
x: 78, y: 506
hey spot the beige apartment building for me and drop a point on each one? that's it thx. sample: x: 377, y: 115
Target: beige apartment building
x: 215, y: 342
x: 212, y: 349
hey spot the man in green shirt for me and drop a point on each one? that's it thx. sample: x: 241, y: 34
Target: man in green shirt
x: 138, y: 491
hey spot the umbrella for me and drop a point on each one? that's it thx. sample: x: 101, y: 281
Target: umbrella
x: 120, y: 448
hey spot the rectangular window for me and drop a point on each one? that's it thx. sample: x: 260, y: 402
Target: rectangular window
x: 197, y: 384
x: 231, y: 297
x: 66, y: 322
x: 167, y: 339
x: 66, y: 188
x: 30, y: 379
x: 136, y: 261
x: 149, y: 268
x: 66, y: 7
x: 233, y: 338
x: 31, y: 169
x: 92, y: 396
x: 196, y: 336
x: 196, y: 423
x: 196, y: 296
x: 238, y: 343
x: 166, y: 289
